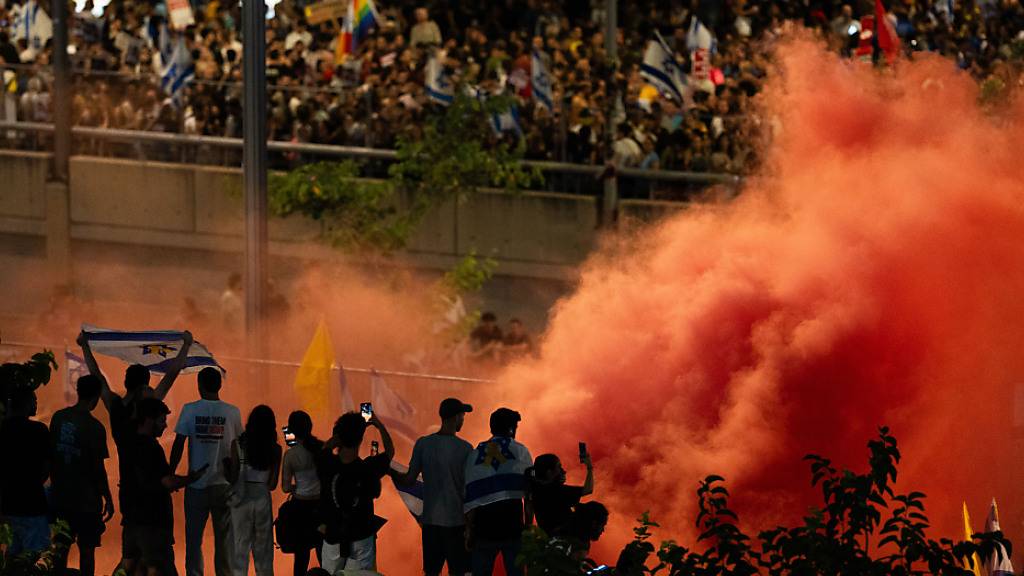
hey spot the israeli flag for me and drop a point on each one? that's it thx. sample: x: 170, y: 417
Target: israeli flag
x: 439, y: 86
x: 155, y: 349
x: 178, y: 70
x: 661, y: 69
x: 699, y: 37
x: 507, y: 121
x: 33, y: 25
x: 412, y: 496
x: 397, y: 414
x: 999, y: 563
x: 540, y: 81
x: 75, y: 368
x: 496, y: 471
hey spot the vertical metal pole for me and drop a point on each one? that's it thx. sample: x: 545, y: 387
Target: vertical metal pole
x: 61, y: 92
x: 610, y: 201
x: 254, y: 169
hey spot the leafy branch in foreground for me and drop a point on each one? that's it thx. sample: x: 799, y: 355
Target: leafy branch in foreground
x: 858, y: 510
x: 457, y: 156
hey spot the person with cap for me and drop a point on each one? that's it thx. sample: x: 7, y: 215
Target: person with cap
x: 441, y: 459
x: 496, y: 514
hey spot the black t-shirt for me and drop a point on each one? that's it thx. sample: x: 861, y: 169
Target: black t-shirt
x: 482, y: 335
x: 502, y: 520
x: 347, y: 492
x: 552, y: 505
x: 146, y: 500
x: 123, y: 431
x: 25, y: 452
x: 79, y: 446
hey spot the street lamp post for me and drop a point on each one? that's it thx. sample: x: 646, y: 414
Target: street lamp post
x: 254, y: 169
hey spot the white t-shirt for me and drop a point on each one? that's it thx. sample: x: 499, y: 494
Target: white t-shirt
x: 211, y: 426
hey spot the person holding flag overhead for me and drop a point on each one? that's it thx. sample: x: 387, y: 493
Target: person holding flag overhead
x: 495, y: 491
x: 122, y: 409
x: 441, y: 458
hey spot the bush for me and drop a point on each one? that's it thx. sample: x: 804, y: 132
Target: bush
x: 858, y: 510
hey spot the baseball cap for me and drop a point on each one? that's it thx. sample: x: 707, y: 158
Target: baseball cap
x: 452, y: 407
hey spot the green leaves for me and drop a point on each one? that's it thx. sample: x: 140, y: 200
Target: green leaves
x: 456, y: 157
x: 834, y: 539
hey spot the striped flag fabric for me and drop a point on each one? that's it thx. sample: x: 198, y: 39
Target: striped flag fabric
x: 496, y: 471
x: 397, y: 414
x: 361, y: 15
x: 177, y: 67
x: 999, y: 563
x: 412, y: 496
x: 154, y: 349
x: 540, y: 81
x: 74, y: 368
x: 439, y: 87
x: 661, y: 69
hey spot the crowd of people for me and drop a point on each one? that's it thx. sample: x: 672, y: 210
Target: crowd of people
x: 476, y: 501
x: 377, y: 95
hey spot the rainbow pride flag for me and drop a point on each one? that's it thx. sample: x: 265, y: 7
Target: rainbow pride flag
x: 360, y: 18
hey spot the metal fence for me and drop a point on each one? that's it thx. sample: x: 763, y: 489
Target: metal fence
x: 581, y: 179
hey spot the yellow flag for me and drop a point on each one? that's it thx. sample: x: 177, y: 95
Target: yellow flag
x: 313, y: 380
x: 967, y: 538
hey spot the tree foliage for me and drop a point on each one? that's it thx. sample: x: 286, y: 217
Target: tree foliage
x: 863, y: 527
x: 457, y: 155
x: 32, y: 374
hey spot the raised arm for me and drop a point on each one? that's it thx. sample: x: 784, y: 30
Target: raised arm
x: 90, y: 361
x: 588, y: 484
x: 385, y: 437
x: 174, y: 368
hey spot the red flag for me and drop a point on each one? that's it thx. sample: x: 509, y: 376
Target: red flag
x: 885, y: 33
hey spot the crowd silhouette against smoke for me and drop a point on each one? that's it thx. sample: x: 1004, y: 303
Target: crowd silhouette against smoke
x: 870, y: 272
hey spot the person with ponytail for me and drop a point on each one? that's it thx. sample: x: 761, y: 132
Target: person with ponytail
x: 300, y: 480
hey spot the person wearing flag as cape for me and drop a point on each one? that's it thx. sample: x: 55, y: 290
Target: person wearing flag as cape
x: 496, y: 514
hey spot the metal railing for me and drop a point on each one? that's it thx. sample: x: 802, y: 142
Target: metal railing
x: 582, y: 179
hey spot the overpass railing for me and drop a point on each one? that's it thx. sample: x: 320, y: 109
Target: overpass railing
x: 582, y: 179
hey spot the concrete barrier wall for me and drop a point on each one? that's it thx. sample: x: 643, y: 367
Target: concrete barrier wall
x: 23, y: 185
x: 160, y: 204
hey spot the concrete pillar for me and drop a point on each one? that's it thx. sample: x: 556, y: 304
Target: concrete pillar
x: 58, y: 232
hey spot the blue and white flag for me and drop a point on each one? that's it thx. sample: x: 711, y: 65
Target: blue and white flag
x: 398, y: 415
x: 699, y: 37
x: 412, y: 496
x: 999, y: 563
x: 154, y: 349
x: 177, y: 68
x: 540, y: 81
x: 74, y: 368
x: 507, y: 121
x: 496, y: 471
x: 347, y: 405
x: 33, y: 25
x: 662, y: 70
x: 439, y: 86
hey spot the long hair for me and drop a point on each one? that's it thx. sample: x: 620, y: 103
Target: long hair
x: 260, y: 437
x: 300, y: 424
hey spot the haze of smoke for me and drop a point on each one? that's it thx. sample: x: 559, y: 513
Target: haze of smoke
x: 872, y: 275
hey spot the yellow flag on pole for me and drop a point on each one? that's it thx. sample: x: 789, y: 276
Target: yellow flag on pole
x: 968, y: 532
x: 313, y: 380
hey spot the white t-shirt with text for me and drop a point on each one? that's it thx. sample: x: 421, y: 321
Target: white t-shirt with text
x: 211, y: 426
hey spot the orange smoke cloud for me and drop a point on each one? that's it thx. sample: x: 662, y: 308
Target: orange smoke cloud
x: 871, y: 275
